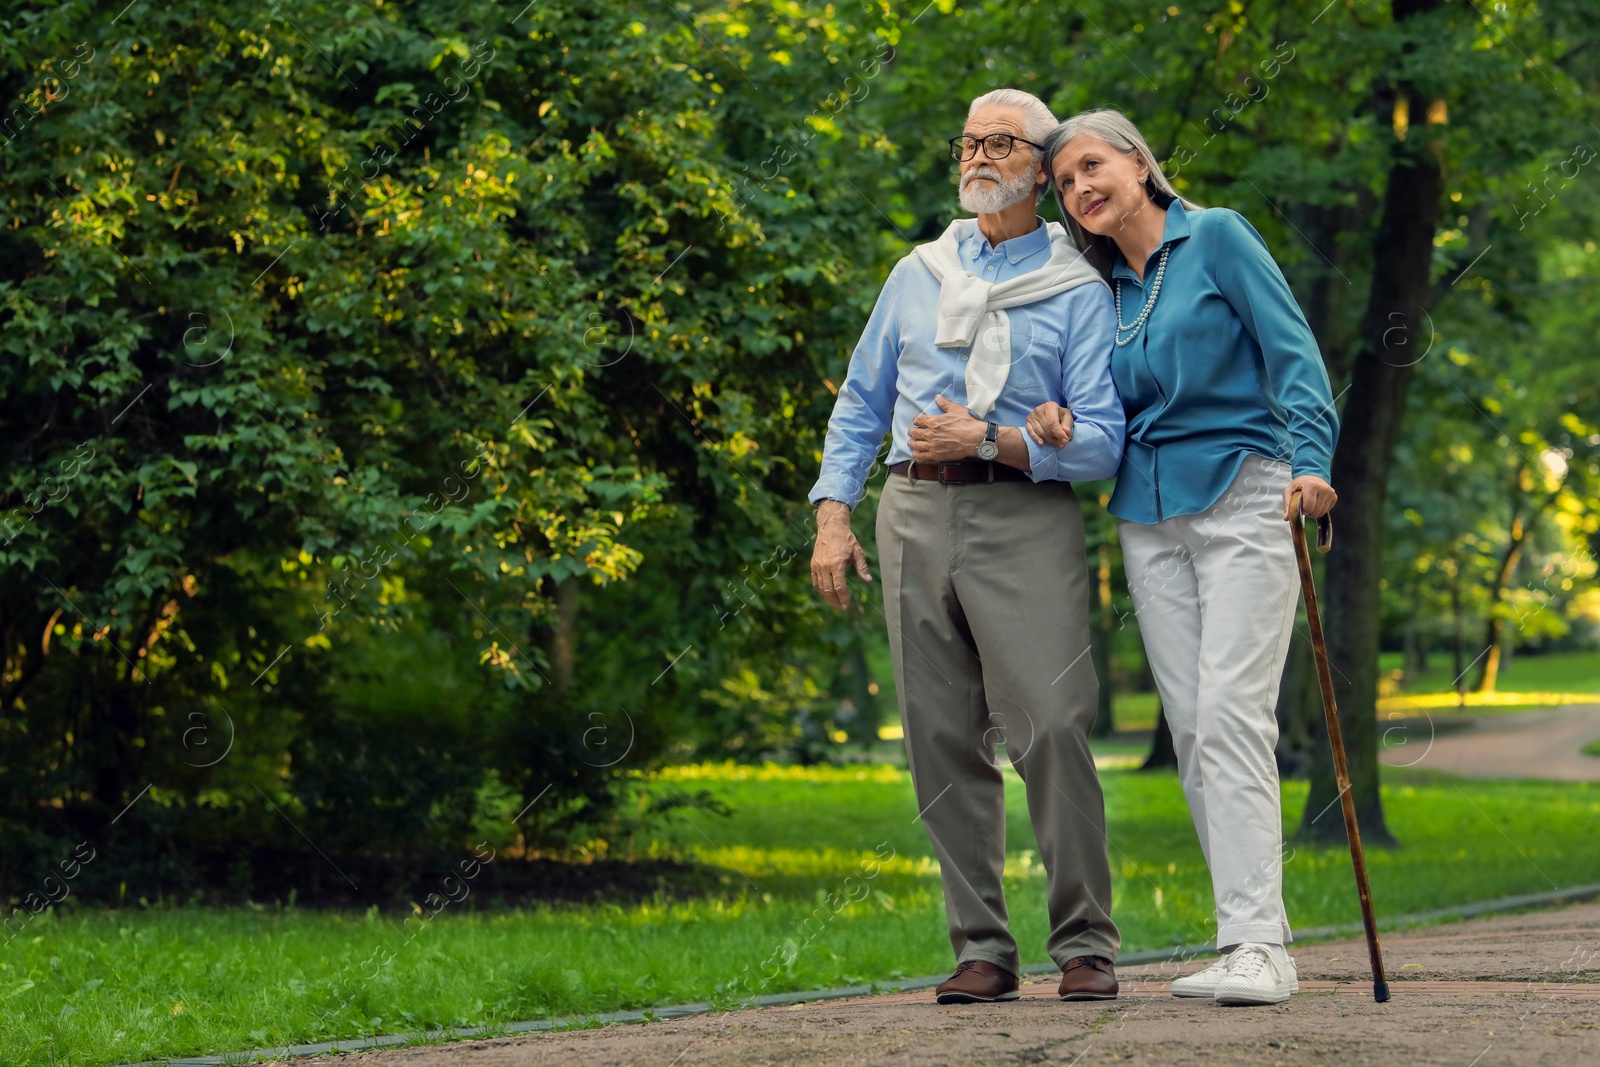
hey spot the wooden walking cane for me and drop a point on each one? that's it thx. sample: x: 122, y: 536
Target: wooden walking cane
x: 1341, y: 768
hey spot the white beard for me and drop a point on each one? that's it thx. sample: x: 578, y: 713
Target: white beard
x: 988, y: 200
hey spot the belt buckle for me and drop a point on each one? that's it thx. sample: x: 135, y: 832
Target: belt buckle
x: 941, y: 472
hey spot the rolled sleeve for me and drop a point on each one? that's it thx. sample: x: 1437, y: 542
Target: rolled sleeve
x: 1088, y: 391
x: 864, y: 409
x: 1250, y: 280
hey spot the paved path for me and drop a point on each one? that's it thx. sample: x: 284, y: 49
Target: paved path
x: 1510, y: 990
x: 1527, y: 744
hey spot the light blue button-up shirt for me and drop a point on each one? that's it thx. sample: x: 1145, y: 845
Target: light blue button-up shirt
x: 1225, y: 366
x: 1061, y: 351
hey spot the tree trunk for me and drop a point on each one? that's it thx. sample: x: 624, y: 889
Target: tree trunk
x: 1162, y: 754
x: 1495, y: 638
x: 1458, y: 648
x: 1299, y: 713
x: 1494, y: 629
x: 113, y: 737
x: 863, y: 728
x: 563, y: 633
x: 1394, y: 332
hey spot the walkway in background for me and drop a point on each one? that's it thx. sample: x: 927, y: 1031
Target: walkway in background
x: 1526, y: 744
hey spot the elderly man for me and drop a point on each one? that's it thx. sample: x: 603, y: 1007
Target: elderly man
x: 982, y: 547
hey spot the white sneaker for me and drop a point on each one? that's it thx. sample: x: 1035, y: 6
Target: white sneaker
x: 1202, y: 983
x: 1255, y: 977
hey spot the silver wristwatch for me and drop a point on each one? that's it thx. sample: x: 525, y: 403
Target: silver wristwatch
x: 989, y: 447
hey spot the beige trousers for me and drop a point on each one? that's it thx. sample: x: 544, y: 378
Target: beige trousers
x: 987, y: 597
x: 1215, y: 593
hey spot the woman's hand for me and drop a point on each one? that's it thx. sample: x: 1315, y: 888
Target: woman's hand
x: 1049, y: 424
x: 1317, y: 497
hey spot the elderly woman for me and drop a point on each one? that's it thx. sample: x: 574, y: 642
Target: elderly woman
x: 1229, y: 413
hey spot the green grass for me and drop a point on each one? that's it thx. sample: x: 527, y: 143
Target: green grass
x: 1591, y: 749
x: 90, y: 986
x: 1572, y: 672
x: 1135, y: 711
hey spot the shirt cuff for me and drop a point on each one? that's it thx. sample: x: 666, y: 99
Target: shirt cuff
x: 1309, y: 462
x: 832, y: 489
x: 1041, y: 459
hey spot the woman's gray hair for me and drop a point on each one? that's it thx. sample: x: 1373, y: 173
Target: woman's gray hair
x: 1037, y: 118
x: 1118, y: 131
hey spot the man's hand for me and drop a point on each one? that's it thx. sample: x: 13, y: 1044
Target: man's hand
x: 836, y: 551
x: 1316, y: 497
x: 939, y: 438
x: 1049, y: 424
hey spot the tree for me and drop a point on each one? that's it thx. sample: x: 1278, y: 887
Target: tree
x: 410, y: 325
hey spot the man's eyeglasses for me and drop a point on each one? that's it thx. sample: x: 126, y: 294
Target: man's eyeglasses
x: 995, y: 146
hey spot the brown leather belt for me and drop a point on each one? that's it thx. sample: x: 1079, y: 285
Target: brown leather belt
x: 959, y: 472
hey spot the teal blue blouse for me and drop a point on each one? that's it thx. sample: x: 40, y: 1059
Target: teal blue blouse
x: 1226, y: 365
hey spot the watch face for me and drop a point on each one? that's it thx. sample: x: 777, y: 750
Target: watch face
x: 988, y: 450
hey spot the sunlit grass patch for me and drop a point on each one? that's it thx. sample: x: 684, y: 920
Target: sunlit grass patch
x: 729, y: 771
x: 819, y: 877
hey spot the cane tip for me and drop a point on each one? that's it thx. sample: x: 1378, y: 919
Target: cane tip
x: 1380, y: 992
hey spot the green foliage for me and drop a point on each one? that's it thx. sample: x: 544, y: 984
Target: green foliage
x: 1498, y: 484
x: 405, y: 383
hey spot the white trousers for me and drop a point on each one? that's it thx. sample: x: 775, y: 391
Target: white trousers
x: 1215, y: 595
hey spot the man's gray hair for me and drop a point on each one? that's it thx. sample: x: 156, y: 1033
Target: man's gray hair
x: 1037, y: 118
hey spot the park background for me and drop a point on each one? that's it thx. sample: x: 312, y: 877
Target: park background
x: 408, y: 414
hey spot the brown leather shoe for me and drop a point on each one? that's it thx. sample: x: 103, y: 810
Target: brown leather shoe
x: 977, y: 980
x: 1089, y: 978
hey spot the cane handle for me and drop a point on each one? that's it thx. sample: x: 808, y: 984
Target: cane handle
x: 1324, y: 524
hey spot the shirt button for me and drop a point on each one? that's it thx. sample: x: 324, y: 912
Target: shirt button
x: 966, y: 357
x: 989, y: 267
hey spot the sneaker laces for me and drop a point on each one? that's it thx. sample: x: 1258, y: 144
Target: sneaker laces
x: 1247, y: 962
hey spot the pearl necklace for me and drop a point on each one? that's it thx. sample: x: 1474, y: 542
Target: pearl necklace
x: 1149, y: 304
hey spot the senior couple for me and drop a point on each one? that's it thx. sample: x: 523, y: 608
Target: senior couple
x: 1150, y: 339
